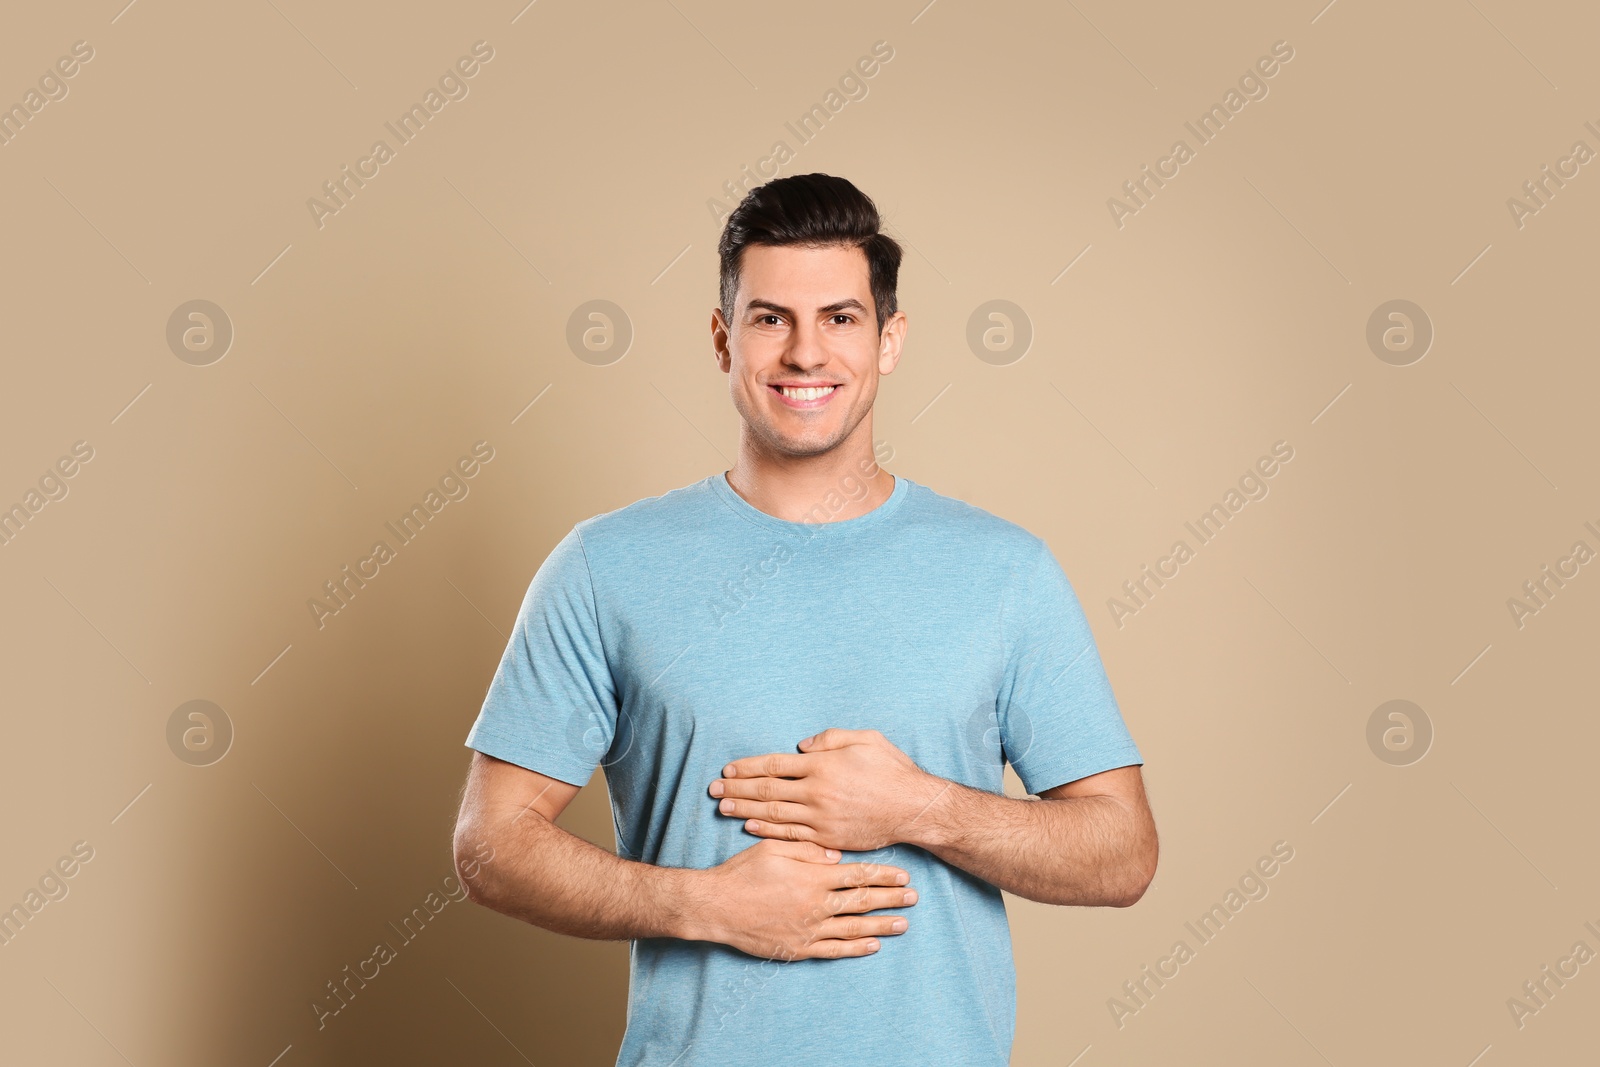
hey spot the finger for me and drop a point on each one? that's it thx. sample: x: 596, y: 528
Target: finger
x: 809, y: 851
x: 833, y: 949
x: 762, y: 788
x: 851, y: 927
x: 833, y: 737
x: 765, y: 810
x: 771, y: 765
x: 781, y: 831
x: 858, y: 874
x: 869, y: 898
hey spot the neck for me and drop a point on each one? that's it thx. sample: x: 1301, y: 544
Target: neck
x: 842, y: 483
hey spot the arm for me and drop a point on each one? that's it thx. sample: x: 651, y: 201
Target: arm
x: 1089, y: 842
x: 553, y: 879
x: 780, y: 900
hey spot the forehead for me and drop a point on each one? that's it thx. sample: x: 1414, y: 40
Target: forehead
x: 802, y: 276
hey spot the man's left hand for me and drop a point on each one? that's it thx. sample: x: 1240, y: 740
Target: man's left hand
x: 847, y: 789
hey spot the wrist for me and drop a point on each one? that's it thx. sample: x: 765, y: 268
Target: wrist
x: 929, y: 825
x: 684, y: 904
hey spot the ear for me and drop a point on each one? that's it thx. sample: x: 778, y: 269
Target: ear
x: 890, y: 342
x: 719, y: 341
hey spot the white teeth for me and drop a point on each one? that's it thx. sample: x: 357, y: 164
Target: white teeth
x: 807, y: 394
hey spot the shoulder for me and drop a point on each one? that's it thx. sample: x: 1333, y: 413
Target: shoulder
x: 627, y: 544
x: 648, y: 514
x: 651, y: 531
x: 970, y: 528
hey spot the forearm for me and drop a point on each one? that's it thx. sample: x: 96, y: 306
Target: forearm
x: 1091, y: 850
x: 556, y: 880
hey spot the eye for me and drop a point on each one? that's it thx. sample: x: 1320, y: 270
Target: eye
x: 763, y: 319
x: 847, y: 319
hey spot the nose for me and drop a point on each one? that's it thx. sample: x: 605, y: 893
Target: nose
x: 805, y: 352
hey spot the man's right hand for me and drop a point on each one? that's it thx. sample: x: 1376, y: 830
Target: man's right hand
x: 789, y: 900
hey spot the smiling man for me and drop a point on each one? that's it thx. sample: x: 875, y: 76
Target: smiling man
x: 804, y: 677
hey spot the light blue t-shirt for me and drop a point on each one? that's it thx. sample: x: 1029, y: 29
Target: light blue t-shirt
x: 668, y: 637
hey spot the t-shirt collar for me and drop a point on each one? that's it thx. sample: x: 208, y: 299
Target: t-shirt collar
x: 820, y: 525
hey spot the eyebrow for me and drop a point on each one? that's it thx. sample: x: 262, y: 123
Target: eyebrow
x: 837, y: 306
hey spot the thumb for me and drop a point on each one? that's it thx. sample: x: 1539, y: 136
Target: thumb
x: 829, y: 738
x: 809, y: 851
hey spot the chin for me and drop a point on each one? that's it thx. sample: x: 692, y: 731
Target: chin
x: 803, y: 449
x: 801, y: 446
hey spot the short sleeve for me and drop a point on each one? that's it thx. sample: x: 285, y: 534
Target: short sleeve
x: 1058, y: 718
x: 551, y: 706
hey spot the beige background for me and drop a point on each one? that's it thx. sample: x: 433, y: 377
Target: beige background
x: 369, y: 353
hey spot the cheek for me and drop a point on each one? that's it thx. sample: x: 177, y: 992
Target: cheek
x: 866, y: 392
x: 745, y: 393
x: 749, y: 361
x: 748, y: 384
x: 864, y: 371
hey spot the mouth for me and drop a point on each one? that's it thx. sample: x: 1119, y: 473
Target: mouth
x: 805, y: 396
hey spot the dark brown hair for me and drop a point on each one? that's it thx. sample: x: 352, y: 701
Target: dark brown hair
x: 816, y: 210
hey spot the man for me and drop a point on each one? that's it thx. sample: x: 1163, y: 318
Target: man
x: 803, y: 678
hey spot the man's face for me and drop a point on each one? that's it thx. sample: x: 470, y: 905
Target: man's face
x: 803, y: 352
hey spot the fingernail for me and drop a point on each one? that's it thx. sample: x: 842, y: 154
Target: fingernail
x: 716, y: 789
x: 729, y: 771
x: 726, y: 807
x: 902, y: 878
x: 898, y: 925
x: 872, y: 946
x: 911, y: 896
x: 832, y: 853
